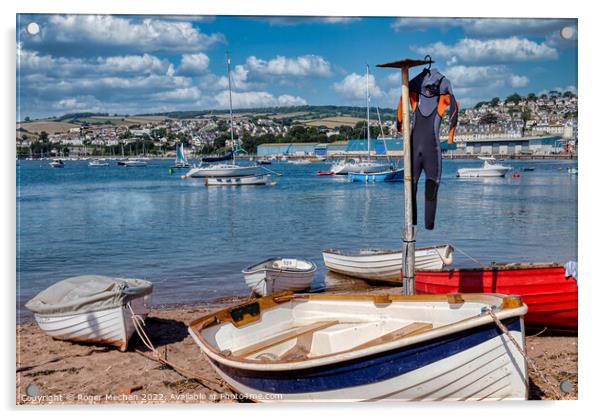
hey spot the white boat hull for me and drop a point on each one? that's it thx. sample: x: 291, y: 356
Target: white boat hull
x: 135, y: 163
x: 344, y: 168
x: 112, y: 326
x: 265, y: 281
x: 385, y: 265
x: 221, y: 170
x: 237, y: 180
x: 351, y: 348
x: 483, y: 172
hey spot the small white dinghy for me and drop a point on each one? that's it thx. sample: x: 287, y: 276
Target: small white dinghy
x: 92, y: 308
x: 385, y: 265
x: 238, y: 180
x: 279, y: 274
x: 320, y: 347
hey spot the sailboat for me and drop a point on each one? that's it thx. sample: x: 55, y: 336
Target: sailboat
x: 224, y: 169
x: 372, y: 171
x: 181, y: 161
x: 345, y: 167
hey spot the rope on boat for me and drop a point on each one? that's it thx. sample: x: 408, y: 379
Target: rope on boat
x: 530, y: 362
x: 470, y: 257
x: 156, y: 356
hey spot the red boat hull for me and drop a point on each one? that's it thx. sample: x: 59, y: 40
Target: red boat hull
x: 551, y: 297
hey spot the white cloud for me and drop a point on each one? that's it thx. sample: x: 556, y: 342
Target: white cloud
x: 307, y: 20
x: 242, y: 100
x: 484, y: 26
x: 518, y: 81
x: 194, y: 63
x: 150, y: 34
x: 304, y: 65
x: 353, y: 86
x: 503, y: 50
x: 238, y: 76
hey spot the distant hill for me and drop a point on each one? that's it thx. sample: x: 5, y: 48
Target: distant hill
x: 305, y: 112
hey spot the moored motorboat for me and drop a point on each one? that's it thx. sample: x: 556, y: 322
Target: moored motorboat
x: 279, y: 274
x: 57, y: 164
x: 134, y: 163
x: 490, y: 168
x: 551, y: 295
x: 345, y: 167
x: 98, y: 163
x: 251, y: 180
x: 391, y: 175
x: 221, y: 170
x: 92, y: 309
x: 385, y: 265
x: 320, y: 347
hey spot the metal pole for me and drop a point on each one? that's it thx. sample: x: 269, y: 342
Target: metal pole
x: 231, y: 118
x: 409, y: 233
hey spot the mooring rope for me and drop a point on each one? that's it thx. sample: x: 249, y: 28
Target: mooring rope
x: 156, y: 356
x: 482, y: 265
x: 530, y: 362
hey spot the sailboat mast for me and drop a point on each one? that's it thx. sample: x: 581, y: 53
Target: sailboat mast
x: 231, y: 117
x: 368, y: 108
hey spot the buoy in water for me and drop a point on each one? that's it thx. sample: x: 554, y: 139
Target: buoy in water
x: 170, y: 171
x: 515, y: 174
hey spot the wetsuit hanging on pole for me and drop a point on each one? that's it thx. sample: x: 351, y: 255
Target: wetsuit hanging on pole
x: 430, y: 95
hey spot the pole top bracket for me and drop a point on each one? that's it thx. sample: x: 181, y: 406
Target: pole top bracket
x: 406, y: 63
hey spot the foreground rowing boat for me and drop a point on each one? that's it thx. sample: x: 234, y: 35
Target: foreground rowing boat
x: 320, y: 347
x: 384, y: 265
x: 551, y: 296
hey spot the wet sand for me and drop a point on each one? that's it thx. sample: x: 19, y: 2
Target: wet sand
x: 58, y: 372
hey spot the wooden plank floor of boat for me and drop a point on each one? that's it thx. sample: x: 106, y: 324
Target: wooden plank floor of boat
x: 291, y: 334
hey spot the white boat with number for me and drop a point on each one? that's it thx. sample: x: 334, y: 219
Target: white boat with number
x: 490, y: 168
x: 321, y: 347
x: 385, y: 265
x: 135, y: 163
x: 221, y: 170
x: 92, y: 309
x: 279, y: 274
x: 238, y: 180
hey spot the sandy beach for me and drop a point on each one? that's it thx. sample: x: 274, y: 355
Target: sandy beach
x: 58, y: 372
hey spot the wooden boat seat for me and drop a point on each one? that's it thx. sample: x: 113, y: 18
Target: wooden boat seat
x: 283, y: 337
x: 403, y: 332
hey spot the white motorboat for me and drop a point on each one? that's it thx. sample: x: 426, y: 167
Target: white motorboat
x: 490, y: 168
x: 321, y: 347
x: 385, y: 265
x: 299, y: 161
x: 57, y: 164
x: 572, y: 171
x: 134, y: 163
x: 98, y: 163
x: 238, y: 180
x: 279, y: 274
x: 92, y: 308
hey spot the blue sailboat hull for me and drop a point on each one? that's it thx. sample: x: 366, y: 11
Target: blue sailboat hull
x: 388, y: 176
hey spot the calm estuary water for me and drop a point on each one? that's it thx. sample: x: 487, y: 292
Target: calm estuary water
x: 193, y: 241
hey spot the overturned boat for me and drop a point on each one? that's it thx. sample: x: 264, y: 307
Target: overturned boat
x: 320, y: 347
x: 385, y: 265
x: 279, y: 274
x: 92, y: 309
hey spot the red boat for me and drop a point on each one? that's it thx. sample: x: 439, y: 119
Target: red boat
x: 551, y: 297
x: 324, y: 173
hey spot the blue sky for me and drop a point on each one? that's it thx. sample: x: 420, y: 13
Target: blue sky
x: 140, y: 64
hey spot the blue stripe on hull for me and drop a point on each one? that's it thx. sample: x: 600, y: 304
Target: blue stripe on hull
x: 366, y: 370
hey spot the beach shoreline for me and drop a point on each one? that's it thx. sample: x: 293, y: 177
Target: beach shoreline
x: 50, y: 372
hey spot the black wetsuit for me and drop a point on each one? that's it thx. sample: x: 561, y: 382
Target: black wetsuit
x: 430, y: 95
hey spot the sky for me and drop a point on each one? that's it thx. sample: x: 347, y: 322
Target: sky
x: 159, y: 63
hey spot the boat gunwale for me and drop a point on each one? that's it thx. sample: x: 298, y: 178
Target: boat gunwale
x: 341, y: 252
x: 498, y: 267
x: 509, y: 306
x: 259, y: 267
